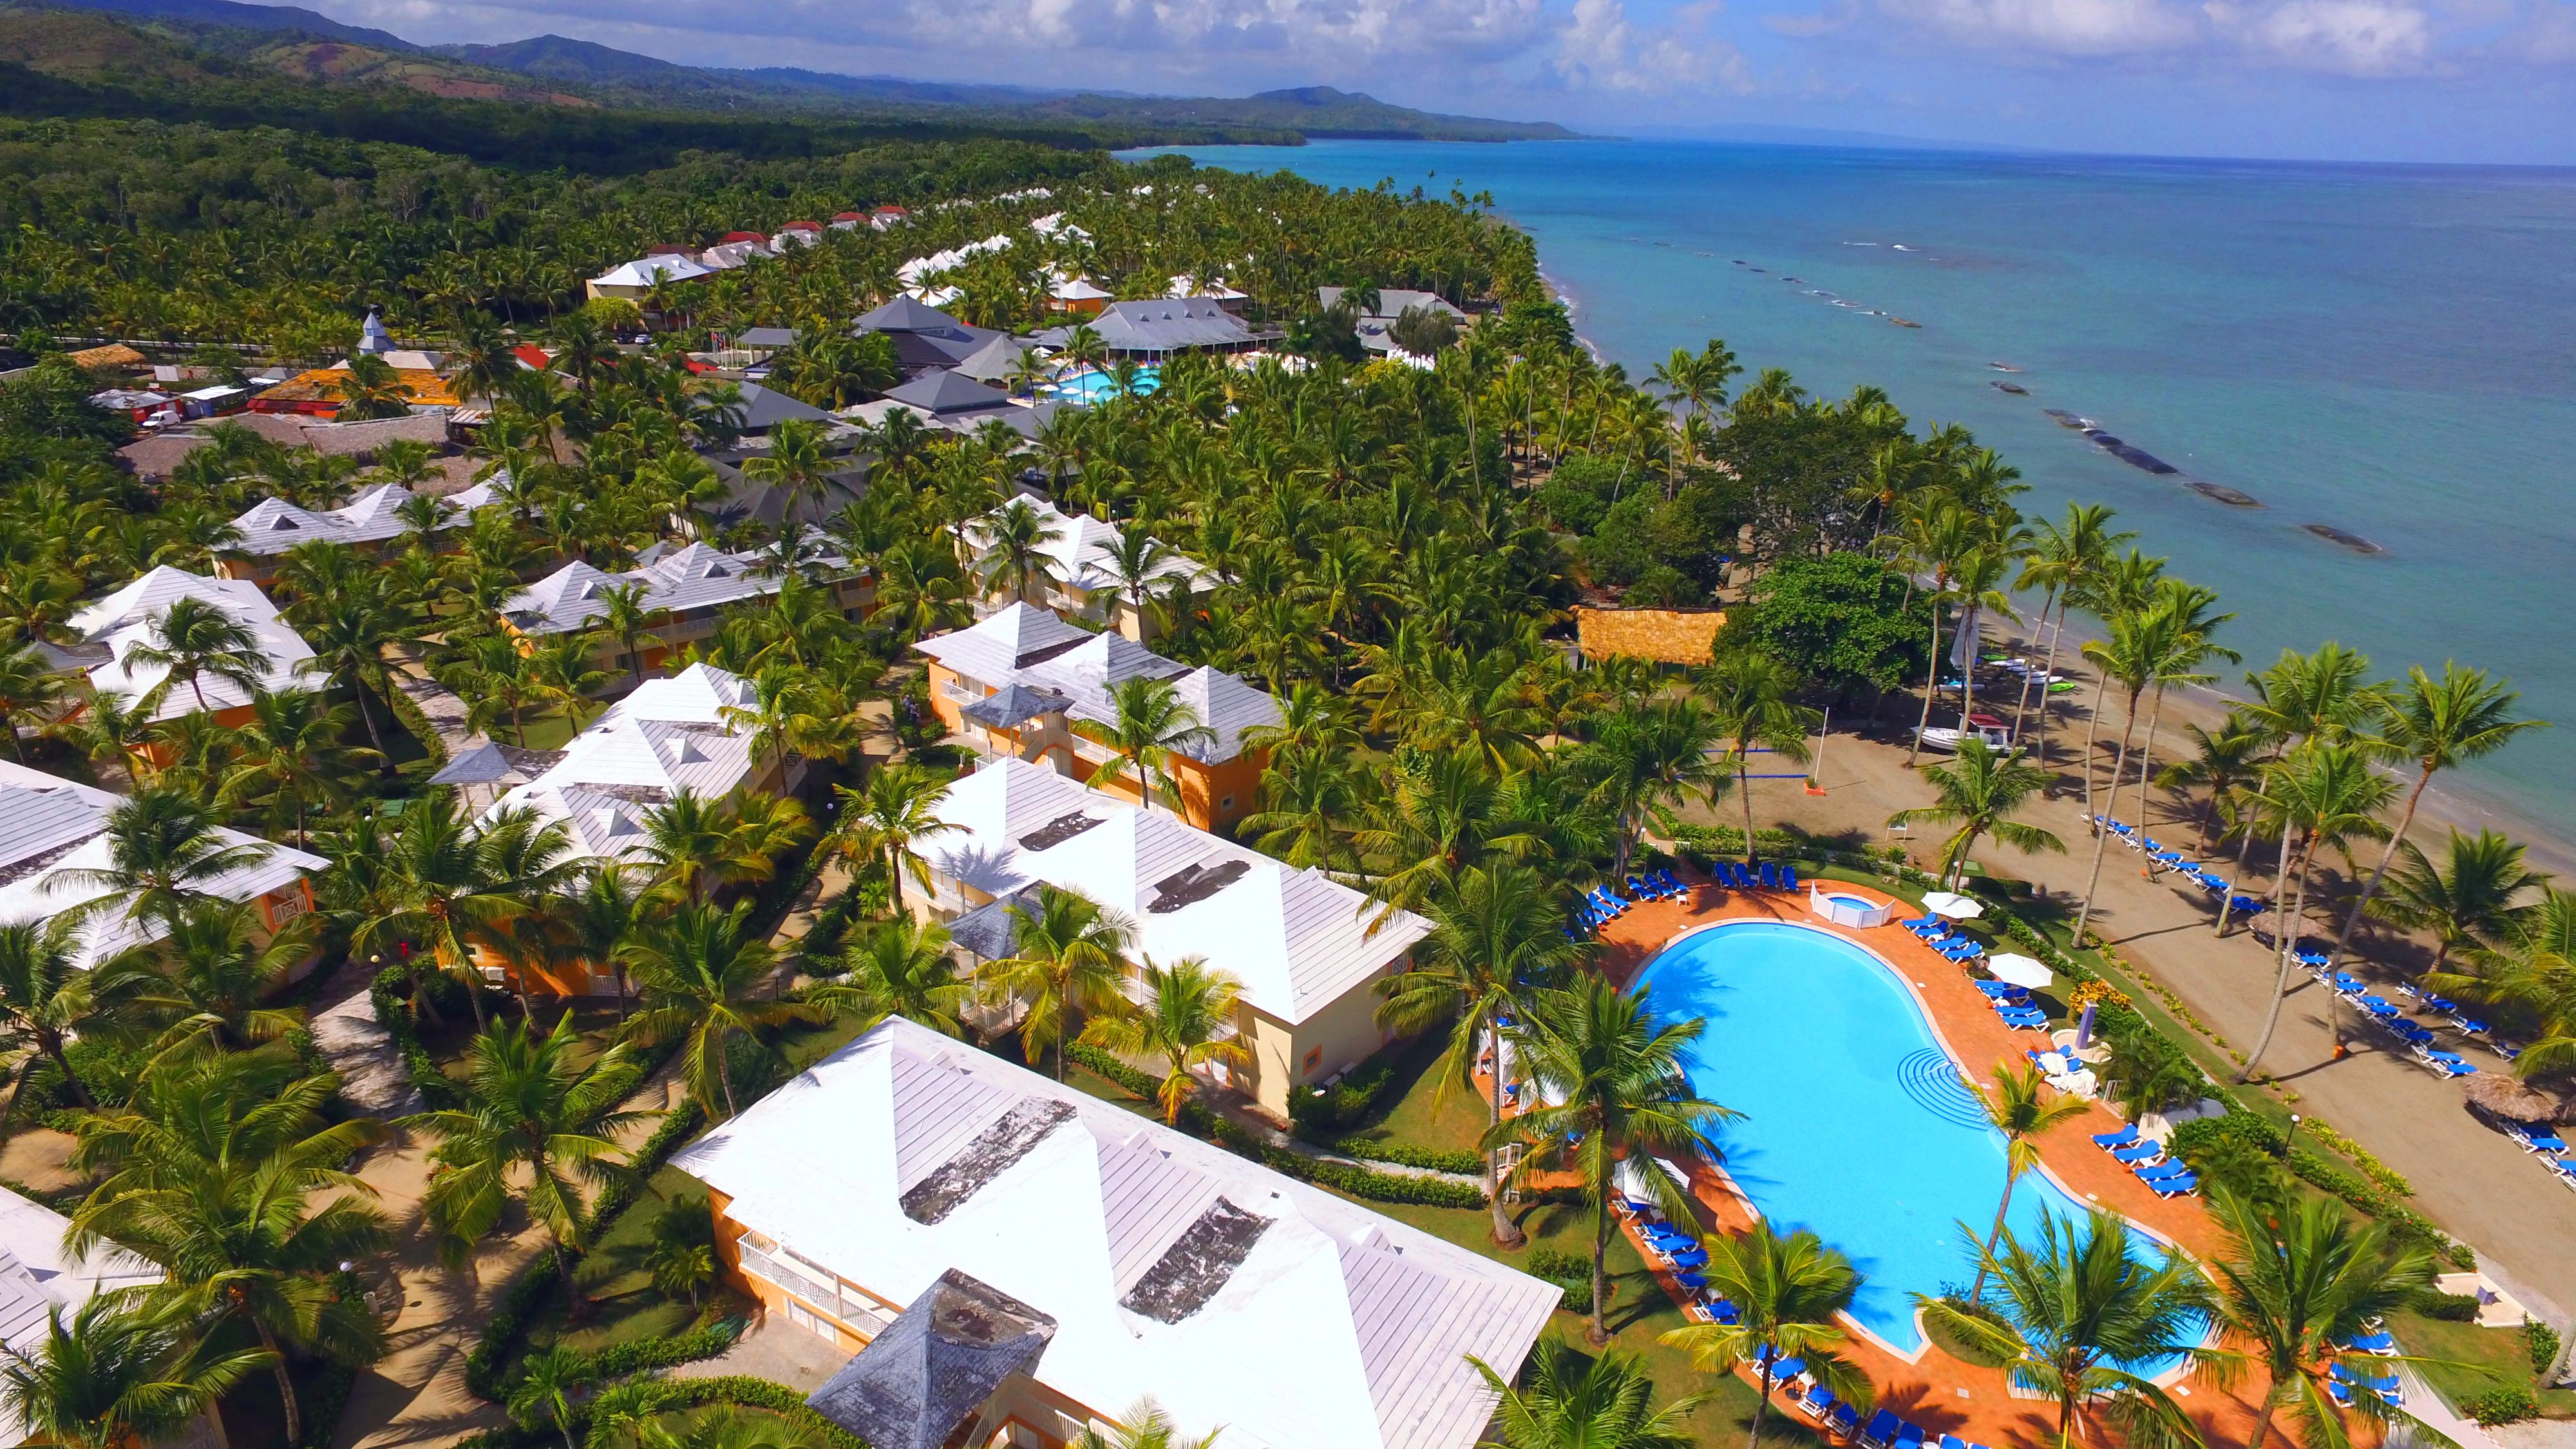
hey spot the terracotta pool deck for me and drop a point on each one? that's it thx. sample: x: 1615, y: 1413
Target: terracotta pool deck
x: 1937, y: 1391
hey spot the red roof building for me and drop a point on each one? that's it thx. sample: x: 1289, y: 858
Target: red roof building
x: 815, y: 226
x: 747, y: 236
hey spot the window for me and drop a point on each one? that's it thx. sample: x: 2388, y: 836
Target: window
x: 1225, y: 804
x: 1314, y: 1059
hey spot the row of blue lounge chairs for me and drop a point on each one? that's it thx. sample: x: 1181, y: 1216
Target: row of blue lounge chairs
x: 2545, y: 1144
x: 1885, y: 1430
x: 2146, y: 1160
x: 1602, y: 905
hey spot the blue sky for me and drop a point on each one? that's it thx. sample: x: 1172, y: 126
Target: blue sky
x: 2395, y: 80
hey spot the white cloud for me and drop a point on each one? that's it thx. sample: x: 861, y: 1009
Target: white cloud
x: 1600, y: 48
x: 2345, y: 37
x: 2349, y: 37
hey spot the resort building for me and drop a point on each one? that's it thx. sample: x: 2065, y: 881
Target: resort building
x: 684, y: 591
x: 633, y: 281
x: 1298, y: 942
x: 153, y: 458
x: 1012, y: 1261
x: 108, y: 632
x: 53, y: 835
x: 1392, y: 304
x: 1076, y: 296
x: 923, y: 336
x: 39, y: 1277
x: 1025, y: 685
x: 1082, y: 573
x: 672, y: 736
x: 1151, y: 331
x: 273, y: 526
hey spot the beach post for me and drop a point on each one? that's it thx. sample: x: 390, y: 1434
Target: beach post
x: 1816, y: 761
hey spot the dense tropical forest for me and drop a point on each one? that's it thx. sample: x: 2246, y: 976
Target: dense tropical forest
x: 1396, y: 549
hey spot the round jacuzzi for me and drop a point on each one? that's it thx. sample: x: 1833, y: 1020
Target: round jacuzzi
x: 1847, y: 908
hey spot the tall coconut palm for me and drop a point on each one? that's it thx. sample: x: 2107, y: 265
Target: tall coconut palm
x: 2077, y: 1303
x: 2019, y: 1106
x: 47, y: 998
x: 193, y: 639
x: 888, y: 821
x: 2434, y: 724
x: 1788, y: 1293
x: 630, y: 623
x: 2293, y: 1286
x: 448, y: 883
x: 225, y: 1175
x: 2321, y: 795
x: 1936, y: 541
x: 32, y: 692
x: 2223, y: 761
x: 2139, y: 644
x: 349, y: 632
x: 1185, y: 1018
x: 2473, y: 897
x: 1014, y: 555
x: 118, y: 1372
x: 2190, y: 647
x: 1657, y: 753
x: 1496, y: 939
x: 2324, y: 695
x: 292, y: 755
x: 1978, y: 793
x: 537, y: 1124
x: 164, y: 853
x: 604, y: 913
x: 2121, y: 586
x: 2534, y: 972
x: 902, y: 968
x: 206, y: 986
x: 2062, y: 562
x: 702, y: 974
x: 798, y: 463
x: 1610, y: 1089
x: 1749, y: 698
x: 1152, y: 723
x: 1566, y: 1400
x: 1068, y: 957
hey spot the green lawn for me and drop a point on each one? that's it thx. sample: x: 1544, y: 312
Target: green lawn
x: 1431, y: 1109
x: 623, y: 1303
x: 2502, y: 1351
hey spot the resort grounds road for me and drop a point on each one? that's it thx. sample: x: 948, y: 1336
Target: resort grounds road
x: 2467, y: 1177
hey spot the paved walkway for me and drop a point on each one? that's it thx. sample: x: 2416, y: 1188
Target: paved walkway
x: 372, y: 1075
x: 2467, y: 1177
x: 445, y: 711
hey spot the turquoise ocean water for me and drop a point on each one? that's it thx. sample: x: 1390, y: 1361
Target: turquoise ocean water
x: 2386, y: 350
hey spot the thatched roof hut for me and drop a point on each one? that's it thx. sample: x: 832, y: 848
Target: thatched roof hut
x: 1662, y: 636
x: 2502, y: 1096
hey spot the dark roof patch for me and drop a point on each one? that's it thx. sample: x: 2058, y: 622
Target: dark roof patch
x: 1194, y: 883
x: 987, y: 1157
x: 1197, y: 1264
x: 1057, y: 831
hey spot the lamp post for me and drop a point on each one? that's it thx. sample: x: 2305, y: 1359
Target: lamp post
x: 2291, y: 1138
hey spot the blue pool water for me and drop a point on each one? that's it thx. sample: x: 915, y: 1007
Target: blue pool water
x: 1091, y: 387
x: 1855, y: 1121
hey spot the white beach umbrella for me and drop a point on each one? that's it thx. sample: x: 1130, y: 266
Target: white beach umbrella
x: 1957, y: 908
x: 2020, y: 971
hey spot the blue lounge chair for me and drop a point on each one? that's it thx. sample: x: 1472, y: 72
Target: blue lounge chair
x: 2183, y: 1186
x: 1819, y: 1402
x: 2349, y: 984
x: 1770, y: 876
x: 2469, y: 1025
x: 1673, y: 884
x: 2002, y: 991
x: 2373, y: 1343
x: 1908, y: 1436
x: 2440, y: 1003
x: 1788, y: 1369
x: 1882, y: 1429
x: 1788, y: 877
x: 1921, y: 924
x: 1692, y: 1281
x: 2310, y: 958
x: 2408, y: 1031
x: 2143, y: 1152
x: 2159, y: 1171
x: 2449, y: 1064
x: 1724, y: 1311
x: 2336, y: 1390
x: 2036, y: 1021
x: 2535, y: 1139
x: 2111, y: 1141
x: 1844, y: 1420
x: 1696, y: 1258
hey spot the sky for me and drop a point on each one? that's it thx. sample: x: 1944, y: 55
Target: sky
x: 2459, y: 81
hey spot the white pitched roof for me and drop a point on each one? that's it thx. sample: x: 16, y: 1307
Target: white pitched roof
x: 643, y: 271
x: 1296, y: 940
x: 1228, y: 1293
x: 38, y: 1275
x: 684, y: 580
x: 1082, y: 548
x: 1029, y: 646
x: 124, y: 619
x: 273, y: 525
x: 671, y: 736
x: 52, y: 828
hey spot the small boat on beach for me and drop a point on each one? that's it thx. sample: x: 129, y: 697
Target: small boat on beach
x: 2346, y: 537
x: 2016, y: 389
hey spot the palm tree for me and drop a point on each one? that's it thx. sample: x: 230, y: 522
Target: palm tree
x: 1014, y: 554
x: 690, y: 842
x: 214, y: 980
x: 798, y: 463
x: 629, y: 622
x: 547, y: 1380
x: 700, y: 974
x: 1495, y: 940
x: 2321, y: 795
x: 1153, y: 723
x: 1978, y: 793
x: 2019, y: 1108
x: 2063, y: 561
x: 888, y: 821
x: 2133, y: 657
x: 1136, y: 560
x: 1653, y: 754
x: 902, y: 968
x: 448, y: 884
x: 601, y: 918
x: 2435, y: 723
x: 2293, y: 1286
x: 292, y: 754
x: 119, y: 1373
x: 1749, y: 697
x: 2223, y: 761
x: 31, y: 692
x: 164, y: 853
x: 1787, y: 1292
x: 2472, y: 898
x: 2191, y: 648
x: 2535, y: 972
x: 2077, y: 1303
x: 225, y: 1175
x: 1186, y: 1018
x: 1144, y: 1425
x: 1069, y: 954
x: 1937, y: 541
x: 536, y: 1123
x: 112, y: 730
x: 47, y: 998
x: 1610, y: 1089
x: 192, y: 639
x: 1564, y: 1400
x: 349, y: 632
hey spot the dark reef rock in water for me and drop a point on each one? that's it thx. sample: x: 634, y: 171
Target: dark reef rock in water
x: 2347, y: 538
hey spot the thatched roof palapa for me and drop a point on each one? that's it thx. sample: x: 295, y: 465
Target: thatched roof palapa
x: 2502, y: 1096
x: 1662, y: 636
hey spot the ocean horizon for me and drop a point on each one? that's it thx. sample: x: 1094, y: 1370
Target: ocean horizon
x: 2384, y: 350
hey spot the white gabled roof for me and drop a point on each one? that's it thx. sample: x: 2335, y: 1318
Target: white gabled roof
x: 672, y: 736
x: 993, y: 650
x: 1296, y: 940
x: 273, y: 525
x: 644, y: 271
x: 1029, y: 646
x: 51, y: 829
x: 681, y: 581
x: 123, y: 620
x: 1230, y: 1294
x: 38, y: 1275
x: 1082, y: 548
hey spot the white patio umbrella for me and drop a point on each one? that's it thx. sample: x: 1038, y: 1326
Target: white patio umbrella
x: 2020, y: 971
x: 1957, y: 908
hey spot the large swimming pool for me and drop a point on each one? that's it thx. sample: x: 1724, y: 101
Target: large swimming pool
x: 1088, y: 386
x: 1856, y: 1123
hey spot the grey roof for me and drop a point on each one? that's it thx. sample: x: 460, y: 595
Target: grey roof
x: 990, y: 932
x: 493, y: 763
x: 767, y: 337
x: 908, y: 314
x: 935, y: 1364
x: 995, y: 360
x: 1025, y: 648
x: 942, y: 392
x: 680, y: 581
x: 764, y: 408
x: 1014, y: 705
x: 1167, y: 324
x: 1393, y: 301
x: 1013, y: 639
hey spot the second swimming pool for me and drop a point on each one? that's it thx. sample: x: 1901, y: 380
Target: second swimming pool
x: 1856, y: 1123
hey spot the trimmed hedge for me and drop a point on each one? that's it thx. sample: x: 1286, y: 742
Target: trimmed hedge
x: 1405, y: 1154
x: 2404, y: 1223
x: 388, y: 995
x: 1357, y: 1181
x: 647, y: 1397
